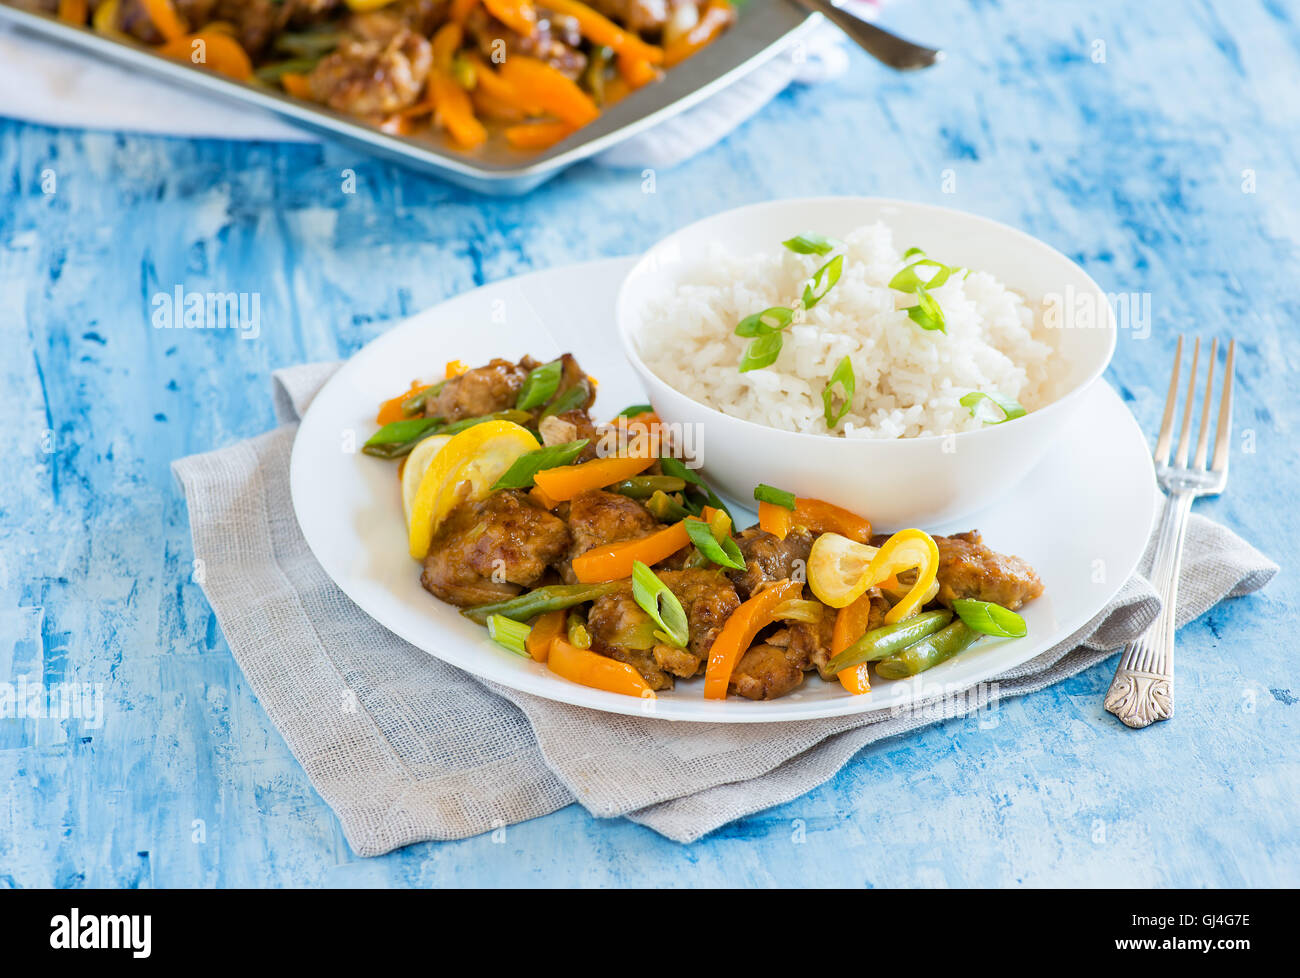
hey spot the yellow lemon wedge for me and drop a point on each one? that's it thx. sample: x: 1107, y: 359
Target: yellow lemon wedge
x: 837, y: 569
x: 417, y: 463
x: 463, y: 469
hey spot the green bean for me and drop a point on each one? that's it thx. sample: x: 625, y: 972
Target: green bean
x: 415, y: 404
x: 881, y: 643
x: 308, y: 43
x: 928, y: 652
x: 398, y: 438
x: 539, y: 601
x: 296, y: 66
x: 577, y: 396
x: 645, y: 486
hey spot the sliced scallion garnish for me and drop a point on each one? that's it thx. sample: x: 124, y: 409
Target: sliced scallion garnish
x: 1011, y: 408
x: 823, y: 280
x: 575, y: 397
x: 508, y: 634
x: 540, y: 385
x: 723, y: 552
x: 927, y: 313
x: 768, y: 321
x: 990, y: 619
x: 761, y: 352
x: 777, y: 497
x: 632, y: 410
x: 677, y: 468
x: 811, y: 243
x: 657, y: 601
x: 843, y: 376
x: 521, y: 472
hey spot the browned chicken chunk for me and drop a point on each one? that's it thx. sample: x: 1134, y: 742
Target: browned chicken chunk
x: 374, y: 77
x: 769, y: 670
x: 768, y: 558
x: 555, y: 40
x: 969, y: 569
x: 620, y: 629
x: 483, y: 390
x: 490, y: 550
x: 597, y: 517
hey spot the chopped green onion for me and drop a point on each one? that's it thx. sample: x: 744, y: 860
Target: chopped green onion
x: 761, y: 352
x: 990, y: 619
x: 912, y: 251
x: 723, y: 552
x: 1011, y: 408
x: 908, y: 280
x: 521, y: 472
x: 927, y: 312
x: 823, y: 280
x: 508, y: 634
x: 540, y: 385
x: 771, y: 494
x: 771, y: 320
x: 575, y: 397
x: 811, y: 243
x: 632, y: 410
x: 677, y: 468
x: 665, y: 508
x: 843, y: 376
x: 657, y: 601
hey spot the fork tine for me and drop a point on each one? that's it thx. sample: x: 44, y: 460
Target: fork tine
x: 1202, y: 440
x: 1223, y: 431
x: 1185, y: 437
x: 1167, y: 422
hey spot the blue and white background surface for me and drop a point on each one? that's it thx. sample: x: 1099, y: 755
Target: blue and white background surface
x: 1154, y: 143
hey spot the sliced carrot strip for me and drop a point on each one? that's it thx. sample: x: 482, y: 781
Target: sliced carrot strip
x: 549, y: 89
x: 597, y: 671
x: 538, y: 135
x: 738, y: 634
x: 546, y: 629
x: 605, y: 32
x: 851, y: 625
x: 614, y: 561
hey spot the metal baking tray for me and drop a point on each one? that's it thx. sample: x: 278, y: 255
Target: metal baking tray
x: 763, y: 28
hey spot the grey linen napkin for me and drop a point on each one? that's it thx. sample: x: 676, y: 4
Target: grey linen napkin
x: 405, y: 748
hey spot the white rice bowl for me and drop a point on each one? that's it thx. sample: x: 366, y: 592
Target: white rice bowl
x: 908, y: 380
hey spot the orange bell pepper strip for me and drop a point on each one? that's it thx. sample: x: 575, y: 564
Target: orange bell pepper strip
x: 461, y: 9
x: 455, y: 112
x: 738, y: 634
x: 566, y: 481
x: 816, y: 515
x: 546, y: 629
x: 776, y: 520
x: 637, y: 72
x: 614, y: 561
x: 605, y: 33
x: 74, y: 12
x: 518, y: 15
x: 546, y: 501
x: 489, y: 82
x: 597, y: 671
x: 490, y: 106
x: 296, y: 85
x: 538, y: 135
x: 220, y: 52
x: 444, y: 42
x: 550, y: 90
x: 163, y: 15
x: 391, y: 409
x: 715, y: 19
x: 851, y: 625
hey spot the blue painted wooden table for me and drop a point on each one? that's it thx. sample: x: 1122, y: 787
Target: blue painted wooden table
x: 1154, y: 143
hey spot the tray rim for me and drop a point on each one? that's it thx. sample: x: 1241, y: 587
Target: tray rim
x: 489, y: 177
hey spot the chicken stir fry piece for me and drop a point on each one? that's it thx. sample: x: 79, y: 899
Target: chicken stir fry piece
x: 969, y: 569
x: 491, y: 550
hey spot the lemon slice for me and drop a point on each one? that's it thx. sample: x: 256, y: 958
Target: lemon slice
x: 463, y: 469
x: 837, y: 569
x: 417, y: 463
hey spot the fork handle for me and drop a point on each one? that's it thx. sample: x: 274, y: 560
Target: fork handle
x: 1142, y: 691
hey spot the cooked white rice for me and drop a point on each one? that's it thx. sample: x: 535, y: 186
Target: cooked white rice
x: 908, y: 379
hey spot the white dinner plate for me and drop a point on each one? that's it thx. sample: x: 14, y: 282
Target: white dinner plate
x: 1081, y: 518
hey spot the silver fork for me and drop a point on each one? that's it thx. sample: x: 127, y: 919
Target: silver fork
x: 1142, y: 691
